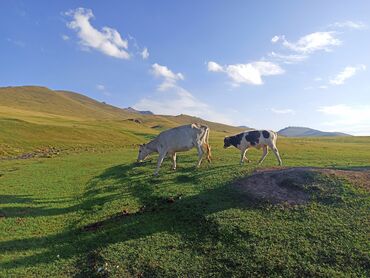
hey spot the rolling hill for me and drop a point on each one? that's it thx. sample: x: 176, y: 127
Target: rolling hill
x: 293, y: 131
x: 32, y: 117
x: 28, y: 102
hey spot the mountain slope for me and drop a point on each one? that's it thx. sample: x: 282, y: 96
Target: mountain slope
x: 31, y: 103
x: 61, y: 103
x: 34, y: 117
x: 294, y: 131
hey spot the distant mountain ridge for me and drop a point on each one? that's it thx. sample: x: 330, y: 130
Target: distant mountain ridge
x: 133, y: 110
x: 296, y: 131
x: 244, y: 126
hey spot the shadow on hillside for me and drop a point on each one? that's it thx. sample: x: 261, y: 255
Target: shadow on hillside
x: 189, y: 217
x: 19, y: 199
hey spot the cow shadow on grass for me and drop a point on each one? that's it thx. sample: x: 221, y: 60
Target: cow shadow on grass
x: 187, y: 210
x: 188, y: 216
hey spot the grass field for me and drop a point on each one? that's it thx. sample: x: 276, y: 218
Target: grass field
x: 90, y: 214
x: 79, y: 205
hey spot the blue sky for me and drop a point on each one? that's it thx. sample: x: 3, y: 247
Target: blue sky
x: 264, y: 64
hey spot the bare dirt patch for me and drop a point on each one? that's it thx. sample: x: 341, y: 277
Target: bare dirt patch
x: 288, y: 185
x: 276, y: 186
x: 47, y: 152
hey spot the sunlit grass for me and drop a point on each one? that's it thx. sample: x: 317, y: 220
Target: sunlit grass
x: 188, y: 222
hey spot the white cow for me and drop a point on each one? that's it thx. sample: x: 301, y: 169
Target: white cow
x: 178, y: 139
x: 255, y: 138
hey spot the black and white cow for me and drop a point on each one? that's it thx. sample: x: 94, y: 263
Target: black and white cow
x: 178, y: 139
x: 255, y: 138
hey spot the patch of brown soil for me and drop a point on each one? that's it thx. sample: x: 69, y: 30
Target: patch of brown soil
x: 277, y: 186
x: 46, y: 152
x: 286, y: 185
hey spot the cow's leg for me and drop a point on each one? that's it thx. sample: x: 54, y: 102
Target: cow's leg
x: 207, y: 149
x: 243, y: 156
x: 159, y: 162
x: 173, y: 156
x: 265, y: 152
x: 276, y: 152
x: 200, y: 154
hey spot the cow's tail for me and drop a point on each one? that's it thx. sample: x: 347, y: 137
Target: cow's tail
x: 274, y: 139
x: 206, y: 143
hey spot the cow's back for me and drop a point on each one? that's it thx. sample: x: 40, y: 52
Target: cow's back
x: 180, y: 138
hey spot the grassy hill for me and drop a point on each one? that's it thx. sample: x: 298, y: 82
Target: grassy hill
x: 294, y: 131
x: 34, y: 117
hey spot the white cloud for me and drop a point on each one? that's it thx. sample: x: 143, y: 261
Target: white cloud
x: 317, y: 79
x: 250, y: 73
x: 180, y: 101
x: 107, y: 41
x: 282, y: 111
x: 170, y: 78
x: 324, y: 87
x: 16, y: 42
x: 65, y: 38
x: 288, y: 59
x: 351, y: 119
x: 275, y: 39
x: 312, y: 42
x: 100, y: 87
x: 350, y: 24
x: 177, y: 100
x: 103, y: 90
x: 213, y: 66
x: 346, y: 73
x: 145, y: 53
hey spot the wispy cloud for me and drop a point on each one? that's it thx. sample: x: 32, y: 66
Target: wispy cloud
x: 310, y: 43
x: 346, y: 73
x: 16, y: 42
x: 282, y: 111
x: 250, y: 73
x: 103, y: 90
x: 352, y: 119
x: 180, y: 101
x: 65, y: 37
x: 275, y: 39
x: 145, y: 53
x: 176, y: 100
x: 288, y: 58
x: 169, y: 78
x: 107, y: 41
x: 350, y: 25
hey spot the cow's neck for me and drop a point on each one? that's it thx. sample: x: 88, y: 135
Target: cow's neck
x: 152, y: 145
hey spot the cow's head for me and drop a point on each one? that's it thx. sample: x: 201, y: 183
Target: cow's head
x: 227, y: 142
x: 143, y: 153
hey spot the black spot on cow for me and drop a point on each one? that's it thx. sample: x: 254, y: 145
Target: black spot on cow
x: 265, y: 134
x: 233, y: 140
x: 253, y: 137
